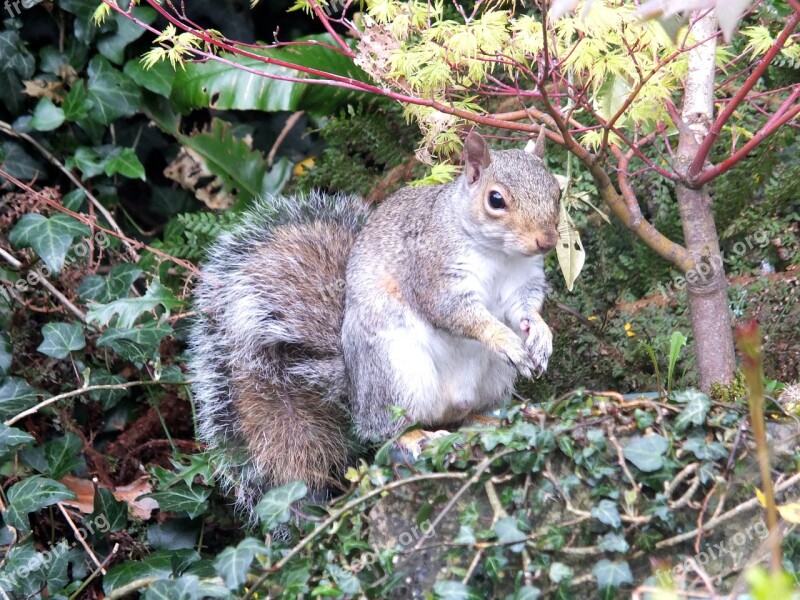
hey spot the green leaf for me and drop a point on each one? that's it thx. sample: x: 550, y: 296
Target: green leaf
x: 61, y: 338
x: 113, y: 43
x: 109, y: 398
x: 115, y: 285
x: 606, y: 512
x: 128, y: 310
x: 184, y: 588
x: 46, y: 116
x: 15, y: 396
x: 697, y: 407
x: 112, y: 510
x: 30, y: 495
x: 212, y: 84
x: 125, y: 163
x: 233, y: 564
x: 182, y: 498
x: 676, y: 341
x: 559, y: 572
x: 239, y: 167
x: 612, y: 574
x: 50, y: 238
x: 6, y: 353
x: 157, y: 565
x: 451, y: 590
x: 646, y: 452
x: 158, y: 79
x: 113, y: 93
x: 613, y: 542
x: 274, y: 507
x: 11, y: 438
x: 146, y: 337
x: 63, y: 455
x: 507, y: 531
x: 76, y: 105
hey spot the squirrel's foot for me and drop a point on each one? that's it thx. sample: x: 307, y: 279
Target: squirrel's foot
x: 509, y: 345
x: 538, y: 342
x: 410, y: 444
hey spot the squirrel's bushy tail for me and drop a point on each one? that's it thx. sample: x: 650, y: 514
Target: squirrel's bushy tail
x: 268, y: 374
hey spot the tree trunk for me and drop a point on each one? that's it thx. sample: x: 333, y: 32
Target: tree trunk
x: 707, y: 286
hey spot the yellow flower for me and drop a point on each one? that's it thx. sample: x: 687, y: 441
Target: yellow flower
x: 629, y: 331
x: 303, y: 166
x: 593, y: 318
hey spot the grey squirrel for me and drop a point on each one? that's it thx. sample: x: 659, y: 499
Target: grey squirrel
x: 318, y: 316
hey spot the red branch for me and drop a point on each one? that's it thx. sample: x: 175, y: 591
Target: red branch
x: 705, y: 147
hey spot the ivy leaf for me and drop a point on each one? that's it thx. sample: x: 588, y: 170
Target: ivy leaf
x: 613, y: 542
x: 109, y: 398
x: 50, y: 238
x: 612, y: 574
x: 63, y: 455
x: 183, y: 588
x: 705, y: 450
x: 646, y: 452
x: 273, y: 509
x: 114, y: 511
x: 47, y: 116
x: 157, y: 565
x: 125, y: 162
x: 15, y: 396
x: 61, y: 338
x: 128, y: 310
x: 113, y: 43
x: 507, y: 531
x: 158, y: 79
x: 233, y: 564
x: 182, y: 498
x: 6, y: 353
x: 31, y: 494
x: 451, y: 590
x: 11, y: 437
x: 697, y: 407
x: 145, y: 338
x: 560, y: 572
x: 113, y: 93
x: 76, y: 105
x: 606, y: 512
x: 114, y: 285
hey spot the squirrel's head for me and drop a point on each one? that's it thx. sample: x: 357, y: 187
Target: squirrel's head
x: 513, y: 198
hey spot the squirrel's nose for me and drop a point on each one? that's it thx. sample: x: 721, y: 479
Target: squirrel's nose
x: 546, y: 241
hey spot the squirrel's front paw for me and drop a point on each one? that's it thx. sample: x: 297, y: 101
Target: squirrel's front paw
x: 538, y: 342
x: 510, y: 346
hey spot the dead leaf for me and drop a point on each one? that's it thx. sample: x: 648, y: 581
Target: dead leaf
x: 84, y: 496
x: 189, y: 170
x: 42, y: 88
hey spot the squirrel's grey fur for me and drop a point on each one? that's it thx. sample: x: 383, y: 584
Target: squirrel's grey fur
x: 312, y: 326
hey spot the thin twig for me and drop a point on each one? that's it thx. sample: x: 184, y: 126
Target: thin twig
x: 81, y: 539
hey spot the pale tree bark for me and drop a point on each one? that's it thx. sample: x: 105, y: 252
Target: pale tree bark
x: 707, y: 285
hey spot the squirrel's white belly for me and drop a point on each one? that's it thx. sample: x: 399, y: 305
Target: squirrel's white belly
x: 446, y: 377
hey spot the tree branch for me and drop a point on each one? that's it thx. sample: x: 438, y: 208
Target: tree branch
x: 708, y: 142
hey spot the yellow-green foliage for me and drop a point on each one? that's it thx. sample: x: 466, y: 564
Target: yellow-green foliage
x: 733, y: 392
x: 414, y: 48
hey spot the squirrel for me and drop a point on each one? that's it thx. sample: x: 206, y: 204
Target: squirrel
x: 318, y: 317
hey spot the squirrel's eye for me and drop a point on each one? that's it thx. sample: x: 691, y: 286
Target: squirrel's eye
x: 496, y: 201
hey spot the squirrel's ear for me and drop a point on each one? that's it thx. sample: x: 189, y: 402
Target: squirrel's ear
x: 476, y: 157
x: 537, y: 149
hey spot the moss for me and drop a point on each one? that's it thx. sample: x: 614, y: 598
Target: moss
x: 733, y: 392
